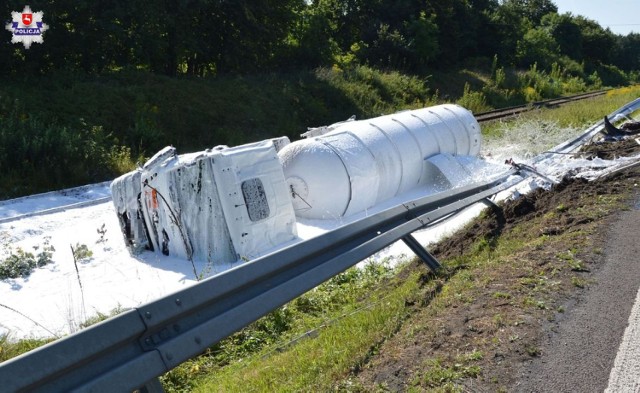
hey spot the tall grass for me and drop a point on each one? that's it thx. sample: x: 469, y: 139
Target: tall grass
x: 321, y: 361
x: 37, y: 156
x: 10, y: 348
x: 350, y: 297
x: 578, y: 115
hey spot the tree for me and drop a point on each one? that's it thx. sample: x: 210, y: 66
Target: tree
x: 312, y: 40
x: 507, y: 27
x: 533, y: 10
x: 627, y: 52
x: 566, y: 32
x: 423, y: 45
x: 537, y: 46
x: 597, y: 43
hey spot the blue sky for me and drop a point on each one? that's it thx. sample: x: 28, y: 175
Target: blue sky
x: 621, y: 16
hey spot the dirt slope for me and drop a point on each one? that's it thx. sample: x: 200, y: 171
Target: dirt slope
x: 528, y: 317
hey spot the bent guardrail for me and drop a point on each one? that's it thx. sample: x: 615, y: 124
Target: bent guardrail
x: 128, y: 351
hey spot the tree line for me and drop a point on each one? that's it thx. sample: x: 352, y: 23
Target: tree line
x: 213, y: 37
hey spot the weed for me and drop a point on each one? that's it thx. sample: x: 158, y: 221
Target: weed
x: 498, y: 320
x: 578, y: 282
x: 474, y: 356
x: 532, y: 350
x: 533, y: 282
x: 501, y: 295
x: 475, y: 101
x: 99, y: 317
x: 438, y: 374
x: 10, y: 349
x: 572, y: 261
x: 102, y: 232
x: 81, y: 253
x: 20, y: 263
x: 529, y: 301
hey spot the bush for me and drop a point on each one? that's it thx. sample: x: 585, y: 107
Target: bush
x: 612, y: 75
x: 475, y: 101
x: 37, y: 155
x: 20, y: 263
x: 95, y: 128
x: 81, y: 253
x: 574, y: 85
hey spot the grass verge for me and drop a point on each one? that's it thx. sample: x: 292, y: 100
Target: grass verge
x: 578, y: 115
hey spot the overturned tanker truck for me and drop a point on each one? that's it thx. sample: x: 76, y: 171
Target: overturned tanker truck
x: 235, y: 203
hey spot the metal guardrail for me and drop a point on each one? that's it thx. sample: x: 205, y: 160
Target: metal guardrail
x: 590, y: 133
x: 130, y: 350
x: 56, y: 209
x: 80, y: 203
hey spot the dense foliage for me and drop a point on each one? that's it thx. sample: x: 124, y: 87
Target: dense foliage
x: 213, y: 37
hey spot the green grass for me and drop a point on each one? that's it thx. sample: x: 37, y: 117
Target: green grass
x: 578, y: 115
x: 364, y: 302
x: 353, y: 314
x: 93, y: 129
x: 327, y: 360
x: 439, y: 375
x: 321, y: 361
x: 10, y: 349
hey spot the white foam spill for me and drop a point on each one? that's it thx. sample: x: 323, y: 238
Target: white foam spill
x: 526, y: 139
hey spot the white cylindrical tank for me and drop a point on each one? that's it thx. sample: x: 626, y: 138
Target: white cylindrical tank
x: 361, y: 163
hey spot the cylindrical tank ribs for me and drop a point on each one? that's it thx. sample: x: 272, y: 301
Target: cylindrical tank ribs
x: 226, y: 204
x: 357, y: 164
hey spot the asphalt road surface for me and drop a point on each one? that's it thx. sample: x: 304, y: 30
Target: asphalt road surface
x: 595, y: 346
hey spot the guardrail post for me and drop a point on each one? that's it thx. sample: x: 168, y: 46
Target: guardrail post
x: 421, y: 252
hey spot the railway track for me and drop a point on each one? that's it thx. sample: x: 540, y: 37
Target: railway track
x: 516, y: 110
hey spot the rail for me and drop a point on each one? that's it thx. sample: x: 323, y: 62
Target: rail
x: 131, y: 350
x: 516, y: 110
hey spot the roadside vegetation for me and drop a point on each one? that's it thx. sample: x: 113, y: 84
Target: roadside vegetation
x: 505, y: 277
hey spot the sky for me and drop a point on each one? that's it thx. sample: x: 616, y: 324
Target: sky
x: 621, y: 16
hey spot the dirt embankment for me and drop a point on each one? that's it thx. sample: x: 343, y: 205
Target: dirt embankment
x: 527, y: 264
